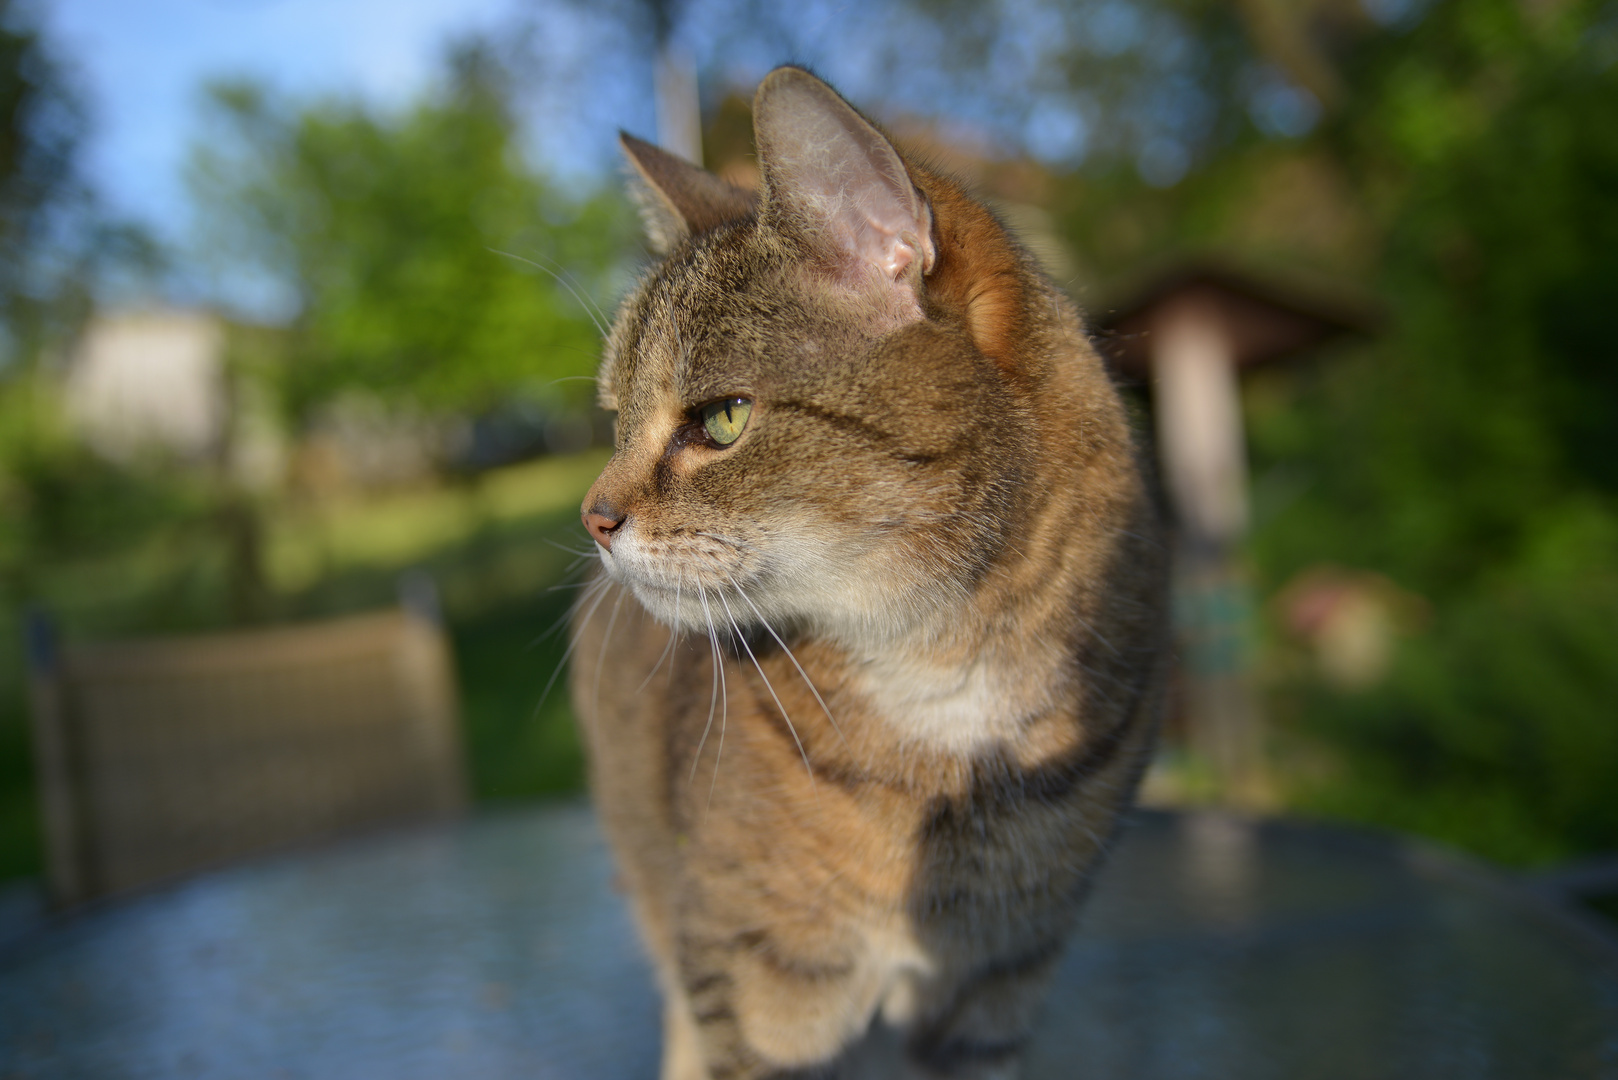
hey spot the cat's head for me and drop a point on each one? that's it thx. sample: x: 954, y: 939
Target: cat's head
x: 822, y: 418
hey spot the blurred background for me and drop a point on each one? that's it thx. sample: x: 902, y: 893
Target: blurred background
x: 299, y: 295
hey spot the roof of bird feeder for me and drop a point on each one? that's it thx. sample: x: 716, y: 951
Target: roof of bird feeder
x: 1266, y: 321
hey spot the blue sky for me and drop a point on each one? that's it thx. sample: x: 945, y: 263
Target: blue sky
x: 141, y: 64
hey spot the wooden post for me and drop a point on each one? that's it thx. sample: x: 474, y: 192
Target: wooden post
x: 1204, y: 462
x: 1190, y: 335
x: 55, y: 765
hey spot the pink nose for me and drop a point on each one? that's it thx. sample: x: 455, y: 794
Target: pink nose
x: 601, y: 519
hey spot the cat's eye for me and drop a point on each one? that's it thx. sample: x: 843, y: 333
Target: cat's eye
x: 724, y: 420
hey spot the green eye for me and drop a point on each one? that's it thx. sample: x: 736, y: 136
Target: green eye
x: 724, y: 420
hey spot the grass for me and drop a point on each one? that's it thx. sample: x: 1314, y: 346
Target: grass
x: 497, y: 548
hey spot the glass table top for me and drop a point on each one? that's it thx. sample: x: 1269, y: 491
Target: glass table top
x: 1213, y: 947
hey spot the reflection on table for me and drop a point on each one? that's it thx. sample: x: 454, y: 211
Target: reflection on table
x: 496, y: 948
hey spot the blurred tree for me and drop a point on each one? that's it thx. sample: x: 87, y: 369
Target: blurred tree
x: 56, y: 242
x: 41, y: 125
x: 428, y: 264
x: 55, y: 245
x: 1457, y: 158
x: 1470, y: 454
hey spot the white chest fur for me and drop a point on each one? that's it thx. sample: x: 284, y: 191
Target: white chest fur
x: 959, y: 708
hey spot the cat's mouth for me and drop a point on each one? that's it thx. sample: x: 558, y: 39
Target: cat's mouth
x: 689, y: 579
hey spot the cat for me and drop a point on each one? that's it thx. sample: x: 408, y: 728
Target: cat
x: 875, y: 508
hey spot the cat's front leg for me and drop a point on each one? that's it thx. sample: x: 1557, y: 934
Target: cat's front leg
x: 771, y: 1005
x: 682, y: 1047
x: 981, y: 1029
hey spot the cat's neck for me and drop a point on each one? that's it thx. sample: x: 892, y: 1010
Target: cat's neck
x: 962, y: 689
x: 979, y: 669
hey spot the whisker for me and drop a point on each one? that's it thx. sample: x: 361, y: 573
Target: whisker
x: 806, y: 680
x: 583, y: 553
x: 1097, y: 635
x: 571, y: 610
x: 589, y: 307
x: 568, y: 585
x: 724, y: 702
x: 679, y: 583
x: 606, y: 640
x: 601, y: 595
x: 760, y: 668
x: 713, y: 699
x: 668, y: 647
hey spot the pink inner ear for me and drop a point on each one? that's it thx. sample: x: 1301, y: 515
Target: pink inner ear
x: 840, y: 181
x: 893, y: 250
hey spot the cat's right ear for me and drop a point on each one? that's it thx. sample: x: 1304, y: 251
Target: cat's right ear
x: 678, y: 199
x: 833, y: 179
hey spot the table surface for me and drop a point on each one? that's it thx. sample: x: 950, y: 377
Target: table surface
x: 1214, y: 947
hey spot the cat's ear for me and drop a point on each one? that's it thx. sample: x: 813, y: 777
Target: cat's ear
x: 833, y: 179
x: 678, y: 199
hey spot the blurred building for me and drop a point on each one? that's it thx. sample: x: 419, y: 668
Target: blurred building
x: 151, y: 383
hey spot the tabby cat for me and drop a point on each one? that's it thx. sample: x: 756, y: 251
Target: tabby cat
x: 874, y: 507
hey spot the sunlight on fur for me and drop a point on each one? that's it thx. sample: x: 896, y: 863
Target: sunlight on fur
x: 870, y: 664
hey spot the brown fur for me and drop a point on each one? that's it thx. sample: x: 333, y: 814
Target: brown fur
x: 918, y: 500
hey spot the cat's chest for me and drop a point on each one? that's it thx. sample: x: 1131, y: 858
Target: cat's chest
x: 957, y: 705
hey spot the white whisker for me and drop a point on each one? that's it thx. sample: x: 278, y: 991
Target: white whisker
x: 810, y: 769
x: 679, y: 584
x: 582, y: 553
x: 572, y: 609
x: 589, y: 307
x: 606, y: 640
x: 600, y: 595
x: 713, y: 701
x: 668, y: 647
x: 1097, y: 635
x: 724, y: 702
x: 805, y: 675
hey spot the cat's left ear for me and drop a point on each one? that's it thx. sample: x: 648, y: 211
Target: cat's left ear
x: 678, y: 199
x: 834, y: 179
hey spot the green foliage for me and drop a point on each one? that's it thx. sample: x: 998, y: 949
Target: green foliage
x: 421, y: 248
x: 1486, y: 408
x: 55, y: 241
x: 382, y: 226
x: 1469, y: 450
x: 59, y: 501
x: 41, y: 125
x: 1495, y: 731
x: 1472, y: 452
x: 521, y: 741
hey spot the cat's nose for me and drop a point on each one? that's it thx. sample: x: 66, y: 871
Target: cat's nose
x: 601, y: 519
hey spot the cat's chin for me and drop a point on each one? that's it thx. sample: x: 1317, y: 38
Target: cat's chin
x: 677, y: 609
x: 724, y: 611
x: 855, y: 602
x: 686, y: 608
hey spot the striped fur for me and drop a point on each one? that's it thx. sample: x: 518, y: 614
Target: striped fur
x: 865, y: 691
